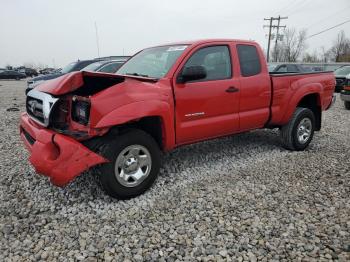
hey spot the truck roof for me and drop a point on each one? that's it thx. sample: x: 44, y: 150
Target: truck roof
x: 204, y: 41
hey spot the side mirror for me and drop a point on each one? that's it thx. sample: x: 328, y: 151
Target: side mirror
x: 191, y: 73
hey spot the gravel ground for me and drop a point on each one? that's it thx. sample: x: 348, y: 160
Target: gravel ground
x: 240, y: 198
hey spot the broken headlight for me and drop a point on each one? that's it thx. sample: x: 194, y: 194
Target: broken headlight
x: 81, y: 110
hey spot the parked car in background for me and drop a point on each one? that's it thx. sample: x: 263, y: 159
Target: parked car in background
x: 104, y: 66
x: 72, y: 67
x: 47, y: 71
x: 162, y: 98
x: 30, y: 72
x: 316, y: 68
x: 288, y: 68
x: 340, y: 76
x: 345, y: 93
x: 114, y: 57
x: 11, y: 74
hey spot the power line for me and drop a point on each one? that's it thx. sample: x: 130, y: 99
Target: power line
x: 330, y: 28
x: 299, y: 7
x: 291, y: 4
x: 338, y: 12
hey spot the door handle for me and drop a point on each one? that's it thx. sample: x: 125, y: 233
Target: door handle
x: 232, y: 89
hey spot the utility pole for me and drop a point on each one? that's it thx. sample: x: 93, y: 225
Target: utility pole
x: 97, y: 42
x: 269, y: 41
x: 270, y: 26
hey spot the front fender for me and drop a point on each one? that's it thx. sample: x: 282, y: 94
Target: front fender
x: 138, y: 110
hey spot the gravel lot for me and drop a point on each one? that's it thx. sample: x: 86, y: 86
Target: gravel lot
x: 238, y: 198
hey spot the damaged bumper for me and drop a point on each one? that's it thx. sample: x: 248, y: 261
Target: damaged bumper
x: 54, y: 155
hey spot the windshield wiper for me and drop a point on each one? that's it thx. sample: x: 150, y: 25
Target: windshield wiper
x: 136, y: 74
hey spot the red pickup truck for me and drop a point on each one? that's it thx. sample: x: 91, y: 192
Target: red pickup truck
x: 162, y: 98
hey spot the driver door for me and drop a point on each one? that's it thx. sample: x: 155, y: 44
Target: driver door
x: 207, y: 107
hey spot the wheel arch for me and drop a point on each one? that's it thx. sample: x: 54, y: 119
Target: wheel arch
x: 313, y: 102
x: 152, y: 125
x: 153, y: 117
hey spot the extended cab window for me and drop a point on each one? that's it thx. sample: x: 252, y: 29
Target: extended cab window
x: 249, y: 60
x: 215, y: 59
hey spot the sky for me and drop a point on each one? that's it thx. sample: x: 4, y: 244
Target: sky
x: 57, y: 32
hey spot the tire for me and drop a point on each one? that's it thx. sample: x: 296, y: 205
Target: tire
x: 17, y: 78
x: 303, y: 120
x: 347, y: 105
x: 114, y: 150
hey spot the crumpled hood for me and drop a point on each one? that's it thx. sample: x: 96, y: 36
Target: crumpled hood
x: 72, y: 81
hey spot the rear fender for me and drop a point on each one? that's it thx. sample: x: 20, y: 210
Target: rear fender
x: 137, y: 110
x: 298, y: 96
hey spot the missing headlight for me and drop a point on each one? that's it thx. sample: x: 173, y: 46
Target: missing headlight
x: 80, y: 110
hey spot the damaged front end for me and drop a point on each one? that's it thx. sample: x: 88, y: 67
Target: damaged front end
x: 57, y: 118
x: 64, y: 105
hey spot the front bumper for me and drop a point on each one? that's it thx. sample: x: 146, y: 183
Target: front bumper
x: 345, y: 95
x: 57, y: 156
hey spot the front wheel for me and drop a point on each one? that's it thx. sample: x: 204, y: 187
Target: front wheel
x: 347, y: 105
x: 298, y: 133
x: 134, y: 164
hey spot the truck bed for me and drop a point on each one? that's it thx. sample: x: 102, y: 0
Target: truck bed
x: 288, y: 88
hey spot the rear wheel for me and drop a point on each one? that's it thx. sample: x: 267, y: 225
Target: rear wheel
x: 298, y: 133
x: 347, y: 105
x: 133, y: 167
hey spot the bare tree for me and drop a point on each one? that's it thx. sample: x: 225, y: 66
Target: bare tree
x: 311, y: 57
x: 29, y: 65
x: 41, y: 66
x: 340, y: 51
x: 292, y: 46
x: 8, y: 66
x: 325, y: 56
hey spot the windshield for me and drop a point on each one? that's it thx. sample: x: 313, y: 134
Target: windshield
x: 152, y: 62
x: 93, y: 66
x: 343, y: 71
x: 68, y: 68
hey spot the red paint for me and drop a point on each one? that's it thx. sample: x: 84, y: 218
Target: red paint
x: 59, y: 157
x: 68, y: 82
x: 262, y: 100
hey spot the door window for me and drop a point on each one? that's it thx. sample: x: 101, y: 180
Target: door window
x: 215, y: 59
x: 249, y: 60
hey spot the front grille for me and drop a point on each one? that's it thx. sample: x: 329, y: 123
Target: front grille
x: 35, y: 108
x: 39, y: 106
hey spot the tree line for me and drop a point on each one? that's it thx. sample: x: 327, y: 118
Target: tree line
x: 294, y: 44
